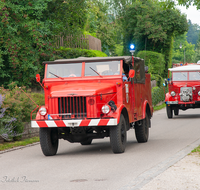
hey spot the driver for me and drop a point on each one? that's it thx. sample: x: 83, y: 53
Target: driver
x: 72, y: 72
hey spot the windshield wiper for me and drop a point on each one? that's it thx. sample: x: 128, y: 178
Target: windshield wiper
x: 183, y: 74
x: 56, y: 75
x: 95, y: 71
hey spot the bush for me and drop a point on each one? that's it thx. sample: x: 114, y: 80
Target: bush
x: 6, y: 123
x: 155, y: 62
x: 158, y: 94
x: 19, y: 106
x: 68, y: 53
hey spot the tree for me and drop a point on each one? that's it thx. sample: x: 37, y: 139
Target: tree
x: 67, y: 17
x: 27, y: 30
x: 100, y: 24
x: 193, y: 33
x: 151, y: 25
x: 184, y: 54
x: 24, y: 39
x: 197, y: 50
x: 187, y: 3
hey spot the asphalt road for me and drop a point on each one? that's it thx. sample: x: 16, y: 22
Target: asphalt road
x: 95, y: 167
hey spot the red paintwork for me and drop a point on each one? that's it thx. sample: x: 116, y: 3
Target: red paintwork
x: 132, y: 96
x: 175, y: 86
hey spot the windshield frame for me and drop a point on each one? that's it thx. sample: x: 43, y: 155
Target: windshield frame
x: 83, y: 65
x: 64, y: 71
x: 190, y: 76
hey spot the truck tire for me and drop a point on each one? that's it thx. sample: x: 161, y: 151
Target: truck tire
x: 118, y: 136
x: 176, y: 111
x: 49, y: 141
x: 169, y: 111
x: 142, y: 129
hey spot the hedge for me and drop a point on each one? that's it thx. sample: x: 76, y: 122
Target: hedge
x: 68, y: 53
x: 158, y: 94
x: 155, y: 62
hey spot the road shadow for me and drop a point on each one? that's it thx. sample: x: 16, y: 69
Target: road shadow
x: 100, y: 148
x: 187, y: 116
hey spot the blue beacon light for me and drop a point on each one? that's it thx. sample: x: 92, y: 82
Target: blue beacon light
x: 132, y: 49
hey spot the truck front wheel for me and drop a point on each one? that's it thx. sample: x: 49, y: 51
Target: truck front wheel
x: 118, y: 136
x: 49, y: 141
x: 169, y: 111
x: 142, y: 129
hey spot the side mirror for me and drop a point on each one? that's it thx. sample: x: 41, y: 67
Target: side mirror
x: 38, y: 77
x: 131, y: 73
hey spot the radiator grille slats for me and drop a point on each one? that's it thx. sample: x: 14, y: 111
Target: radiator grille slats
x: 72, y: 107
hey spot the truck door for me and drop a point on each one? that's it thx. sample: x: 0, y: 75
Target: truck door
x: 128, y: 92
x: 139, y: 84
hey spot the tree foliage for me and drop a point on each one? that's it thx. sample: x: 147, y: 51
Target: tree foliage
x: 155, y: 62
x: 100, y: 23
x: 27, y: 29
x: 184, y: 54
x: 193, y: 33
x: 188, y: 3
x: 151, y: 25
x: 68, y: 17
x: 197, y: 50
x: 24, y: 40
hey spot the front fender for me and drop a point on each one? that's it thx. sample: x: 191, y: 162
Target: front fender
x: 167, y: 96
x: 117, y: 113
x: 146, y: 107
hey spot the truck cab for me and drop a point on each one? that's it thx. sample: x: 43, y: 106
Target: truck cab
x: 184, y: 89
x: 91, y: 98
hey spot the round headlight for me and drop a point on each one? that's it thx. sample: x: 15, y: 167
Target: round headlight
x: 105, y: 109
x: 173, y: 93
x: 199, y: 93
x: 43, y: 111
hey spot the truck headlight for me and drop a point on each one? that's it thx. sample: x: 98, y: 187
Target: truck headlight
x: 105, y: 109
x: 173, y: 93
x: 43, y: 111
x: 199, y: 93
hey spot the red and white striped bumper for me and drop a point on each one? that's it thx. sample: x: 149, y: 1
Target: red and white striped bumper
x: 74, y: 123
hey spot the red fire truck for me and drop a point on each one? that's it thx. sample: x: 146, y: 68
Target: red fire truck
x: 184, y: 89
x: 91, y: 98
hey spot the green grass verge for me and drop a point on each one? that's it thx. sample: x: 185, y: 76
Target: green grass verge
x: 155, y: 108
x: 8, y: 145
x: 197, y: 150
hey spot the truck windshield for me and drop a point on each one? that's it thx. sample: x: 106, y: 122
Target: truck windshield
x: 103, y: 68
x: 179, y: 76
x: 194, y: 75
x: 64, y: 70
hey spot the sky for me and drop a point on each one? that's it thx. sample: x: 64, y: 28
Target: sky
x: 192, y: 13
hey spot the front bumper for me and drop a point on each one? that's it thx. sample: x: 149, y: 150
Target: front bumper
x: 74, y: 123
x: 180, y: 102
x: 171, y: 102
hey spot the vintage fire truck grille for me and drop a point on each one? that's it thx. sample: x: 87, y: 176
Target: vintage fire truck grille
x: 72, y: 107
x: 186, y: 94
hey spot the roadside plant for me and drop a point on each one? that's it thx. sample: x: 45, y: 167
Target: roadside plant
x: 7, y: 123
x: 17, y: 105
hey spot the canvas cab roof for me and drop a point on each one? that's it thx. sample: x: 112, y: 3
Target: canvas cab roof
x: 126, y: 59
